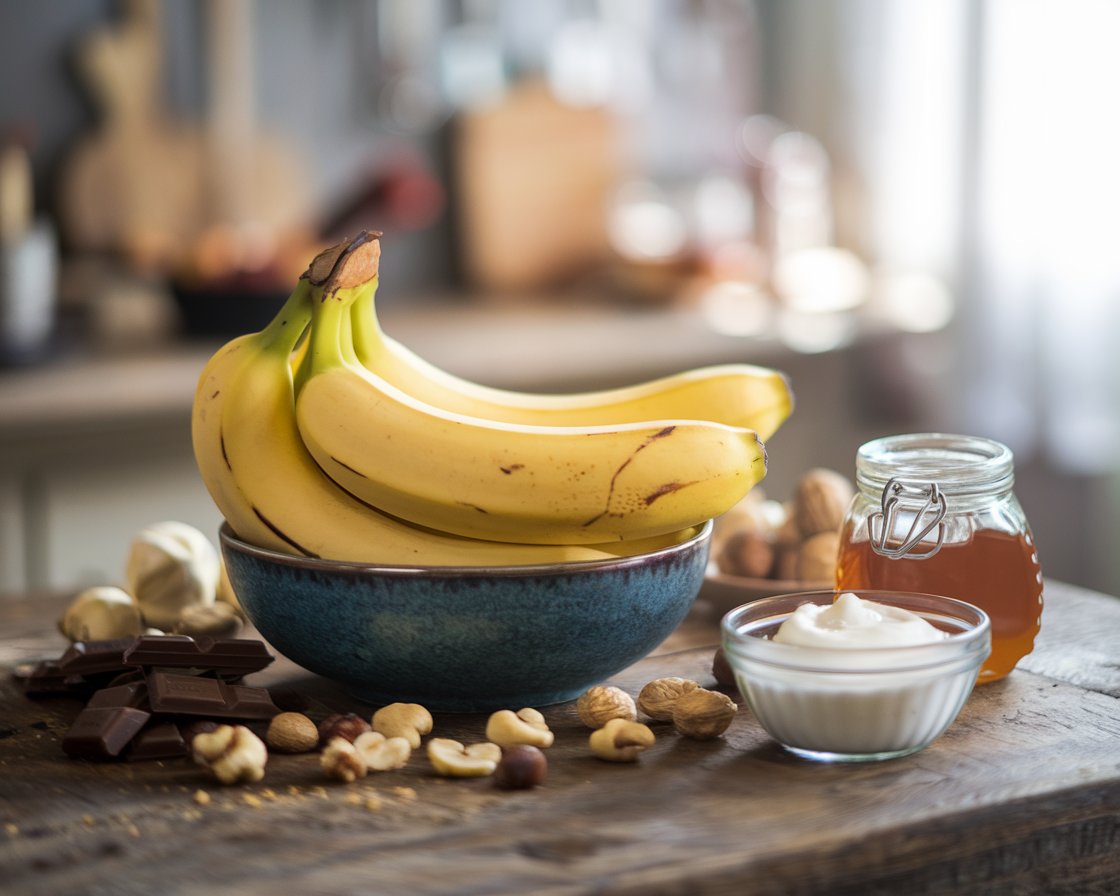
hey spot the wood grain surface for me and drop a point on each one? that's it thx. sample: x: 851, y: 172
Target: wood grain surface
x: 1021, y: 795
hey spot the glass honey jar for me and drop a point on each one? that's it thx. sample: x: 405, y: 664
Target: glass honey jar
x: 936, y: 513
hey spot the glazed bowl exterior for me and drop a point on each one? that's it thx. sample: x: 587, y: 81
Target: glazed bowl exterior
x: 466, y: 639
x: 856, y: 704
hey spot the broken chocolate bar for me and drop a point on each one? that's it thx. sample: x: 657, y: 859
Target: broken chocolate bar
x: 162, y: 740
x: 191, y: 695
x: 102, y: 732
x: 226, y: 656
x: 133, y: 693
x: 91, y: 657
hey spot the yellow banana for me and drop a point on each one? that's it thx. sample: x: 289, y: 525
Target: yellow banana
x: 741, y: 395
x: 273, y: 495
x: 504, y: 481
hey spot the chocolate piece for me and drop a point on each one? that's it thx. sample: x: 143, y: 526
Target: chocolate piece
x: 195, y: 727
x: 193, y: 695
x: 91, y: 657
x: 226, y: 656
x: 133, y: 693
x: 162, y: 740
x: 103, y: 732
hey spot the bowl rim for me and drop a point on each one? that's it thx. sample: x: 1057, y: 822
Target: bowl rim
x: 230, y: 541
x: 972, y: 644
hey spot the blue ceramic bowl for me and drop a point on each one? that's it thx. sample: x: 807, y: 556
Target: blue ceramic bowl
x: 466, y: 639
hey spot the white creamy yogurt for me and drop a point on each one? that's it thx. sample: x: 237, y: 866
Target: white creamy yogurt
x: 851, y: 622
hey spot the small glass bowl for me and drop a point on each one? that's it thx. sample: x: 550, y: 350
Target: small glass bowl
x: 856, y: 705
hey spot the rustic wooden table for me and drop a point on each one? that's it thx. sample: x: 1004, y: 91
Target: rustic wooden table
x: 1021, y: 795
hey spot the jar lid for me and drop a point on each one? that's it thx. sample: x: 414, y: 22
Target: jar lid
x: 958, y: 464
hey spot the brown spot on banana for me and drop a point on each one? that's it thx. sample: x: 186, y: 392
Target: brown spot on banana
x: 667, y: 489
x: 660, y: 434
x: 283, y: 536
x: 347, y: 466
x: 512, y: 468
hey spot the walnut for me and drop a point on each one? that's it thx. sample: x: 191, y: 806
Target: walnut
x: 748, y: 554
x: 816, y: 559
x: 598, y: 705
x: 702, y: 714
x: 821, y: 500
x: 656, y: 699
x: 232, y: 752
x: 341, y: 761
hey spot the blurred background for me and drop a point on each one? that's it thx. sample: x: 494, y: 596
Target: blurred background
x: 908, y: 207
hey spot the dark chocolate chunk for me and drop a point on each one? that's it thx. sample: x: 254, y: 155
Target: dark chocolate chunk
x: 103, y: 732
x: 192, y: 695
x: 222, y: 655
x: 162, y: 740
x: 133, y: 693
x: 90, y: 657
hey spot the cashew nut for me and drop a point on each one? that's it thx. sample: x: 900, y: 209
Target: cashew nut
x: 232, y: 752
x: 100, y: 613
x: 407, y: 720
x: 621, y: 740
x: 507, y: 728
x: 452, y: 759
x: 382, y: 753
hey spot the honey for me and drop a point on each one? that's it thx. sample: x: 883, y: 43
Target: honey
x: 936, y: 514
x: 995, y: 571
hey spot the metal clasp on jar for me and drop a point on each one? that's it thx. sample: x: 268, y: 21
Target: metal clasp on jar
x: 929, y: 514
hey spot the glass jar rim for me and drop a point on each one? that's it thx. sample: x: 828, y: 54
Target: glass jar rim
x: 959, y: 464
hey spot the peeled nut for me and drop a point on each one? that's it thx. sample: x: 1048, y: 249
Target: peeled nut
x: 451, y: 759
x: 291, y: 732
x: 232, y: 752
x: 102, y: 612
x: 347, y: 725
x: 816, y: 559
x: 621, y: 741
x: 598, y: 705
x: 382, y: 753
x: 341, y: 761
x: 407, y: 720
x: 821, y: 500
x: 520, y: 768
x: 703, y: 715
x: 526, y: 726
x: 171, y: 566
x: 658, y: 697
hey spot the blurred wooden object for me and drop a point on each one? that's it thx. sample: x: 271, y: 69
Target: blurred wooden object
x: 533, y: 180
x: 146, y: 184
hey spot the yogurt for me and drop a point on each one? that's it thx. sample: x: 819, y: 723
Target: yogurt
x: 854, y: 678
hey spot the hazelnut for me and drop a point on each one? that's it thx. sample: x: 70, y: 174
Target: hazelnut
x: 232, y: 752
x: 656, y: 699
x: 101, y: 613
x: 598, y: 705
x: 821, y: 500
x: 521, y: 767
x: 454, y: 760
x: 703, y: 715
x: 291, y: 732
x: 347, y: 725
x: 722, y: 671
x: 526, y: 726
x: 341, y: 761
x: 816, y: 559
x: 621, y: 741
x: 747, y: 554
x: 407, y: 720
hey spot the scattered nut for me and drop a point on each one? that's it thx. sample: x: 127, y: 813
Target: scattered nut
x: 816, y: 560
x: 703, y: 715
x: 219, y: 620
x: 451, y: 759
x: 171, y: 566
x: 621, y: 741
x: 722, y: 671
x: 507, y: 728
x: 382, y: 753
x: 748, y: 554
x: 341, y: 761
x: 232, y: 752
x: 657, y: 698
x: 292, y: 732
x: 598, y: 705
x: 102, y: 612
x: 347, y: 725
x: 821, y: 500
x: 407, y: 720
x: 521, y: 767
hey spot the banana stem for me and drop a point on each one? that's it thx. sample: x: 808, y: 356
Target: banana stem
x: 364, y: 327
x: 284, y: 331
x: 330, y: 329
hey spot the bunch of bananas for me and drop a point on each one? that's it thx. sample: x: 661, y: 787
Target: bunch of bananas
x: 320, y: 436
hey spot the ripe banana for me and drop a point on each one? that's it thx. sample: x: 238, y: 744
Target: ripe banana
x: 741, y: 395
x: 504, y: 481
x: 269, y: 489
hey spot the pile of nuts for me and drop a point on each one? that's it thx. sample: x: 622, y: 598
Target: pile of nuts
x: 798, y: 540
